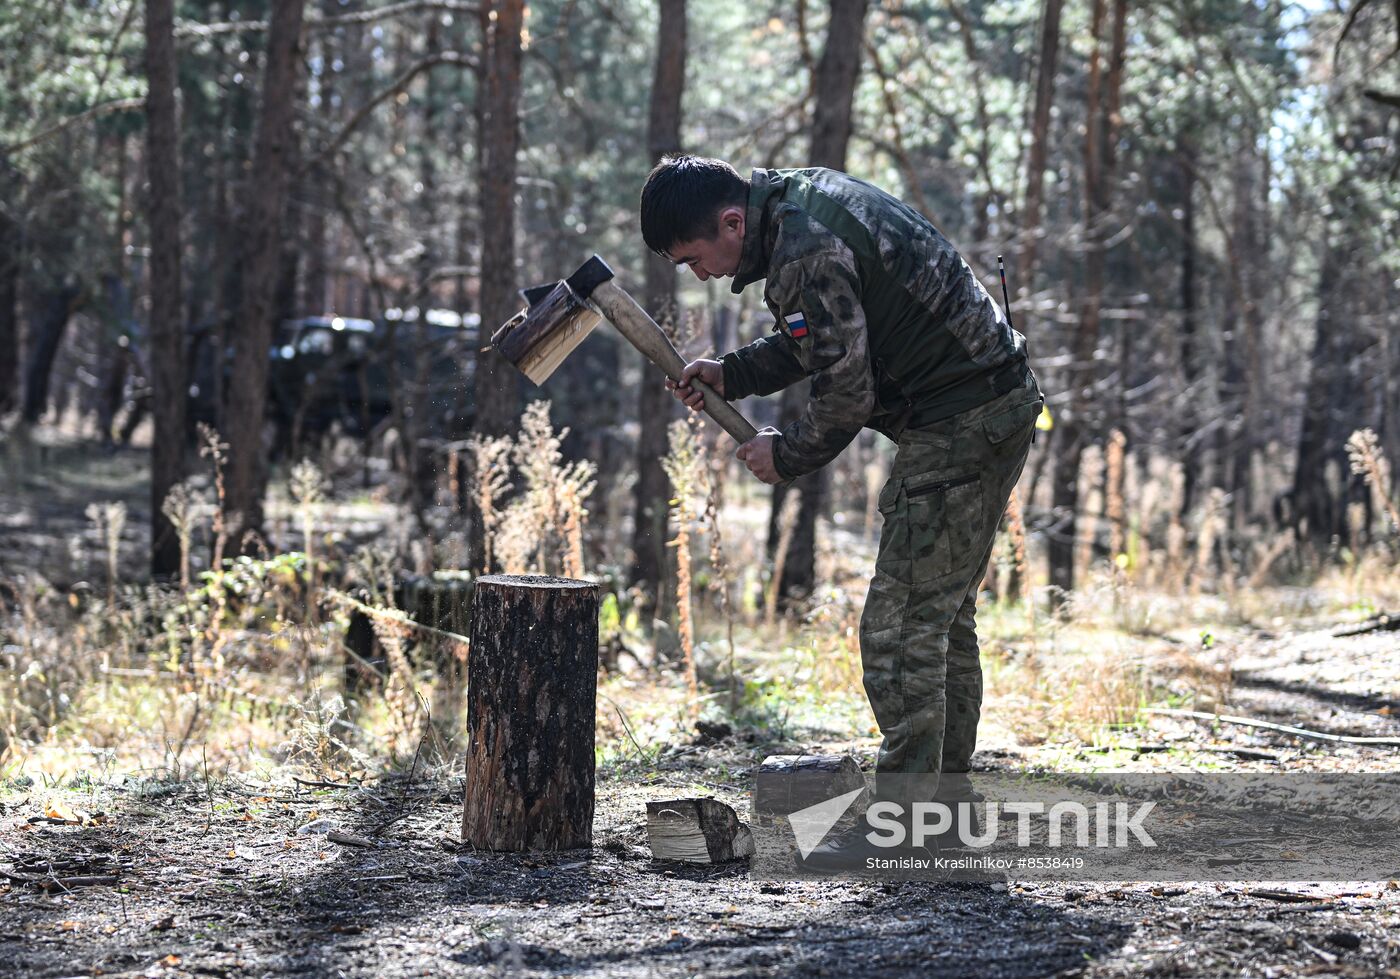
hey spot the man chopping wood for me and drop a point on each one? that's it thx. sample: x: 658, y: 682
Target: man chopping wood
x: 897, y: 334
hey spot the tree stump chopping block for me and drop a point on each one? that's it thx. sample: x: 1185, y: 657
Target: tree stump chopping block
x: 532, y: 677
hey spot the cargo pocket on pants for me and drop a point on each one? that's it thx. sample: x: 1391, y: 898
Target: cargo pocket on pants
x: 1013, y: 421
x: 892, y: 559
x: 945, y: 513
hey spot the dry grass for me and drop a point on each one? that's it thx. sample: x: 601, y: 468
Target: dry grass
x: 242, y: 667
x: 541, y: 529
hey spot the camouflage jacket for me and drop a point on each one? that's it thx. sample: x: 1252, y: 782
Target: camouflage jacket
x: 873, y: 304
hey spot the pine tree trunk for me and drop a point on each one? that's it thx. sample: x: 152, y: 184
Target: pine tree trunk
x: 315, y: 280
x: 166, y: 354
x: 9, y: 287
x: 422, y: 471
x: 1251, y: 247
x: 497, y: 386
x: 1338, y: 399
x: 1074, y: 428
x: 116, y: 351
x: 532, y: 676
x: 266, y: 193
x: 464, y: 226
x: 1189, y: 366
x: 655, y: 404
x: 114, y: 358
x: 227, y: 272
x: 834, y: 89
x: 1040, y: 137
x: 48, y: 321
x: 1314, y: 510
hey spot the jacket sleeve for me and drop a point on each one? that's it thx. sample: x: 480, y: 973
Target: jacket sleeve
x: 817, y: 298
x: 768, y: 364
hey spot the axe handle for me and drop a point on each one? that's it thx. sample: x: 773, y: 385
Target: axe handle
x: 641, y: 331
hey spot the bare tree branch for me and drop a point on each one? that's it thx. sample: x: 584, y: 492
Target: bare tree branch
x: 112, y: 47
x: 1352, y: 14
x: 373, y: 277
x: 190, y: 29
x: 901, y: 153
x: 399, y: 84
x: 1391, y: 99
x: 106, y: 108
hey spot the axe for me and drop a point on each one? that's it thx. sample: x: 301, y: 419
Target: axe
x: 559, y: 315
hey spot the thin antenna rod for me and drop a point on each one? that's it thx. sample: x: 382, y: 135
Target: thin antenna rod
x: 1005, y: 298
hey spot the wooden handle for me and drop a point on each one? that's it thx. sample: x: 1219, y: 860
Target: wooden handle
x: 641, y: 331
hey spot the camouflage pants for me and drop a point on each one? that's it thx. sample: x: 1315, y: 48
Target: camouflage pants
x: 941, y: 509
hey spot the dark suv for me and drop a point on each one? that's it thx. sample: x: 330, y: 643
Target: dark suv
x: 337, y: 369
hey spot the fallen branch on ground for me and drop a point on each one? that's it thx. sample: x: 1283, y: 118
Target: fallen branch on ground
x: 1253, y: 754
x: 1297, y: 732
x: 349, y: 839
x: 1384, y: 622
x: 1288, y: 897
x: 319, y: 784
x: 60, y: 883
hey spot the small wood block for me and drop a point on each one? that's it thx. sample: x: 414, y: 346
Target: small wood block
x: 697, y: 831
x: 812, y: 779
x: 538, y: 342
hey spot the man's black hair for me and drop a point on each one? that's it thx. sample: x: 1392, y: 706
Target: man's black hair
x: 683, y: 196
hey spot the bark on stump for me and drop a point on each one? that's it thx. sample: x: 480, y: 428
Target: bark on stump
x: 532, y: 676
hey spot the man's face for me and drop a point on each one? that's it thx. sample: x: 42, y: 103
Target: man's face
x: 714, y: 257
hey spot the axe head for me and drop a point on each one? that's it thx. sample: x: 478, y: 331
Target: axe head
x: 555, y: 320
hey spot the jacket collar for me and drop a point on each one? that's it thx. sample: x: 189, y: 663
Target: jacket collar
x: 765, y: 187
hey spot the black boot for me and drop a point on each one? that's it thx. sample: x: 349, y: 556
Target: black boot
x: 961, y: 863
x: 857, y: 850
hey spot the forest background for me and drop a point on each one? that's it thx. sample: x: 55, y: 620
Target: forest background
x: 255, y: 447
x: 1196, y: 200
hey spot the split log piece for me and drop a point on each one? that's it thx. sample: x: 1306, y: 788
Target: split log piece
x: 697, y: 831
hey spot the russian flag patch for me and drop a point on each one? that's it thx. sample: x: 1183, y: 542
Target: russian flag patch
x: 797, y: 325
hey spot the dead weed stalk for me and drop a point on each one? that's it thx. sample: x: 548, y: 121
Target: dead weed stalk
x: 1368, y: 461
x: 543, y: 528
x: 681, y: 464
x: 787, y: 527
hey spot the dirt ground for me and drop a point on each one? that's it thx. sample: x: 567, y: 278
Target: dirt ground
x: 266, y: 876
x: 225, y: 880
x: 221, y: 883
